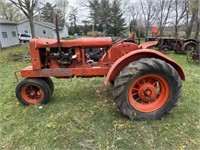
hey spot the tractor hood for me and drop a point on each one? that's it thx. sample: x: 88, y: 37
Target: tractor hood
x: 82, y: 42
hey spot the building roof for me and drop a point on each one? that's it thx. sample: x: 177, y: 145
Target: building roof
x: 46, y: 24
x: 4, y: 21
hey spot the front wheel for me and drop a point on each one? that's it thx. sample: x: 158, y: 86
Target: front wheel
x: 165, y: 49
x: 33, y: 91
x: 50, y: 83
x: 147, y: 89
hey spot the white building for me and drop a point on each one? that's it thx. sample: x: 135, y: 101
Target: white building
x: 8, y: 33
x: 42, y: 29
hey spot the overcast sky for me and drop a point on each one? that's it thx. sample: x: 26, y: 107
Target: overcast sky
x: 83, y: 12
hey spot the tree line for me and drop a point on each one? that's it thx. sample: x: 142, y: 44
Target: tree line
x: 112, y: 16
x: 180, y: 15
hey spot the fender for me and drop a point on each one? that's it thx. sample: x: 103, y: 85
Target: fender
x: 148, y: 44
x: 136, y: 55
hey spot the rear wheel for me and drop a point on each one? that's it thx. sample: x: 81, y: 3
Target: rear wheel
x: 189, y: 47
x: 147, y: 89
x: 33, y: 91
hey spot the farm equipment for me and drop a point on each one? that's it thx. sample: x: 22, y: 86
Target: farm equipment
x: 147, y: 84
x: 179, y: 45
x: 193, y: 56
x: 154, y: 32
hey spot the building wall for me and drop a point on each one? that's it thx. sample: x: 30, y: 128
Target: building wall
x: 39, y: 29
x: 9, y: 40
x: 64, y: 32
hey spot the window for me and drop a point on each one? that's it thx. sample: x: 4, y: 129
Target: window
x: 4, y: 34
x: 44, y: 31
x: 25, y: 31
x: 14, y: 34
x: 25, y: 35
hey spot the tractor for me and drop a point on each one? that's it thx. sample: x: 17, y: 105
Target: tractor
x: 179, y: 45
x: 146, y: 83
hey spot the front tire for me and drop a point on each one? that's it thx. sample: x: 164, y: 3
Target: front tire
x: 50, y: 83
x: 147, y: 89
x: 165, y: 49
x: 33, y: 91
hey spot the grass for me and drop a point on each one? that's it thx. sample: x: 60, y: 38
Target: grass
x: 82, y: 115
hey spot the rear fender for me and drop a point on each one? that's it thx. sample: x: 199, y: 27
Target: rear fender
x: 136, y: 55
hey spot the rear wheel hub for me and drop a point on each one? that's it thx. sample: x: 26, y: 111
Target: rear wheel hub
x: 148, y: 93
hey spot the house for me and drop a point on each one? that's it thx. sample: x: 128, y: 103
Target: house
x: 42, y: 29
x: 8, y: 33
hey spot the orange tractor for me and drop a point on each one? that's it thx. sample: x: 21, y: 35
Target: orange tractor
x: 147, y: 84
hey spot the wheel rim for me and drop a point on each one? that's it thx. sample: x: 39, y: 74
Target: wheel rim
x: 148, y: 93
x: 32, y: 93
x: 165, y: 49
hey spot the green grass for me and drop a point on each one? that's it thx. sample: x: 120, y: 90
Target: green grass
x: 82, y: 115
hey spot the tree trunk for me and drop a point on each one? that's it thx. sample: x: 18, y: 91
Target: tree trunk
x: 192, y: 20
x: 176, y: 30
x: 196, y: 37
x: 32, y: 26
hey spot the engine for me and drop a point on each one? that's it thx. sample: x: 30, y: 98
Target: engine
x: 64, y: 57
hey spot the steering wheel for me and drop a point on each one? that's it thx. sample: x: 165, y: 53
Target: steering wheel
x: 120, y: 36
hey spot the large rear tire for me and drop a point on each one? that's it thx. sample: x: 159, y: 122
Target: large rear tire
x: 189, y: 47
x: 147, y: 89
x: 33, y: 91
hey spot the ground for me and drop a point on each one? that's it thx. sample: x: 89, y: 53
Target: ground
x: 82, y: 115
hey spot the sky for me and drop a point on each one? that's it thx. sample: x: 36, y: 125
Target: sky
x: 83, y: 12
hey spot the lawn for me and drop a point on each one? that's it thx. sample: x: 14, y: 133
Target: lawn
x: 82, y: 115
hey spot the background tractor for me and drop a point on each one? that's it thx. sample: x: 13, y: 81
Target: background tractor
x: 147, y: 84
x: 179, y: 45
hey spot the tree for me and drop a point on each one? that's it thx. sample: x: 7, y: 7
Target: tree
x: 9, y: 12
x: 164, y: 9
x: 94, y: 6
x: 197, y: 22
x: 148, y: 8
x: 105, y: 15
x: 48, y: 13
x: 28, y: 8
x: 62, y: 6
x: 117, y: 20
x: 133, y: 11
x: 192, y: 9
x: 73, y: 20
x: 180, y: 7
x: 196, y: 36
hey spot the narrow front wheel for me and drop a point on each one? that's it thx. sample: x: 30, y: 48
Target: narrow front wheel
x: 33, y: 91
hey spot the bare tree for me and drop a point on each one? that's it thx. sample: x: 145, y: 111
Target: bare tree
x: 164, y: 9
x: 197, y: 37
x: 28, y: 8
x: 148, y: 8
x: 180, y: 7
x: 133, y: 10
x: 62, y: 5
x: 190, y: 19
